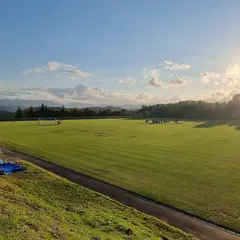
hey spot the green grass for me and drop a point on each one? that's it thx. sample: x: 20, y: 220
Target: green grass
x: 193, y: 169
x: 36, y: 204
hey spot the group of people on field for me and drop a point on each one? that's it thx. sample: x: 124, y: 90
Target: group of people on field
x: 160, y: 121
x: 155, y: 121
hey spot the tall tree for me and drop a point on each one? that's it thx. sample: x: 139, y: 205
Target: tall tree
x: 19, y: 113
x: 31, y: 112
x: 62, y: 111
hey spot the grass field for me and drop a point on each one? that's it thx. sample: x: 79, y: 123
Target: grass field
x: 39, y: 205
x: 187, y: 166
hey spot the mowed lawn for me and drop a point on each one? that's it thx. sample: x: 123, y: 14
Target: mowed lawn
x: 195, y: 169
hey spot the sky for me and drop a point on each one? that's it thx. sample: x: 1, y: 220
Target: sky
x: 122, y: 51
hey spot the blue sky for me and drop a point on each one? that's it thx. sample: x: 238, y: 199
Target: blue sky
x: 115, y: 41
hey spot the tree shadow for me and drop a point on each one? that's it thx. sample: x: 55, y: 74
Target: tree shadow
x: 217, y: 123
x: 200, y: 123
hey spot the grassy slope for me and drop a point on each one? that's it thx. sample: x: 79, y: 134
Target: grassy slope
x: 194, y: 169
x: 39, y: 205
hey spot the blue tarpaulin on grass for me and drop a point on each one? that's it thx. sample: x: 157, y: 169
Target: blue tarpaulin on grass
x: 8, y: 168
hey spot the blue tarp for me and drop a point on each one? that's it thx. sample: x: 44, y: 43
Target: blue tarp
x: 8, y: 168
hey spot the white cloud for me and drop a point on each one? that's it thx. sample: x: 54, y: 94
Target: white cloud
x: 58, y: 67
x: 144, y: 96
x: 53, y: 65
x: 177, y: 81
x: 82, y: 94
x: 156, y: 83
x: 75, y: 72
x: 151, y: 72
x: 127, y: 80
x: 207, y: 77
x: 25, y: 72
x: 237, y: 86
x: 176, y: 66
x: 34, y: 70
x: 221, y: 95
x: 232, y: 75
x: 1, y: 84
x: 152, y: 75
x: 95, y: 96
x: 39, y: 70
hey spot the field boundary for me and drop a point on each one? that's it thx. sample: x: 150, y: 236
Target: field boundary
x: 12, y: 119
x: 198, y: 227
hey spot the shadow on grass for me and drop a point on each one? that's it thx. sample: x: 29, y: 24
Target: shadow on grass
x: 217, y: 123
x: 200, y: 123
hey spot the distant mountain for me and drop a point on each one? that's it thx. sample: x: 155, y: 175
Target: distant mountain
x: 82, y: 96
x: 103, y: 106
x: 131, y: 107
x: 11, y: 105
x: 8, y: 108
x: 5, y: 114
x: 79, y: 96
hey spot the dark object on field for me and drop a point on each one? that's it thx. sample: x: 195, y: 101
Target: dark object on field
x: 159, y: 121
x: 8, y: 168
x: 178, y: 122
x: 164, y: 238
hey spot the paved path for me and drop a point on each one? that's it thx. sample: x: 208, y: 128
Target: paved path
x: 197, y: 227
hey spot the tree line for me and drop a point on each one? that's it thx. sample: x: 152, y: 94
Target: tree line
x: 60, y: 112
x: 184, y: 109
x: 194, y: 109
